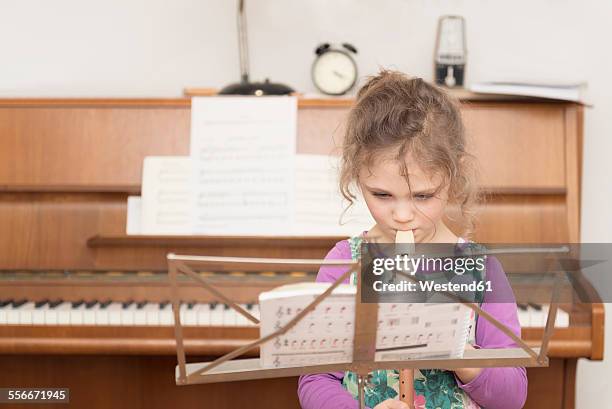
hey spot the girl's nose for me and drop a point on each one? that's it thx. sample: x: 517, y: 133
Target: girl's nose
x: 403, y: 213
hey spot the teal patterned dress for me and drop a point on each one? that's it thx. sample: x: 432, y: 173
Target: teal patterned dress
x: 433, y: 388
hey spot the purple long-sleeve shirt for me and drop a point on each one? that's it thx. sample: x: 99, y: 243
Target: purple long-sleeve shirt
x: 493, y: 388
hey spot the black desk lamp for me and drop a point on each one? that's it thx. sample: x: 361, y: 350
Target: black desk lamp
x: 245, y: 87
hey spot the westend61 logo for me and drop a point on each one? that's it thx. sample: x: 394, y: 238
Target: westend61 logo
x: 411, y: 265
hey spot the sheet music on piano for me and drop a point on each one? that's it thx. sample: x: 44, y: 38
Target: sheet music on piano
x: 319, y: 206
x: 133, y: 221
x: 405, y: 330
x: 166, y: 201
x: 243, y: 177
x: 243, y: 150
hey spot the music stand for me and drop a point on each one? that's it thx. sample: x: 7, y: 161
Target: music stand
x: 225, y: 369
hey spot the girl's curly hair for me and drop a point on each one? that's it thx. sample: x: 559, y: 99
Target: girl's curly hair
x: 397, y: 114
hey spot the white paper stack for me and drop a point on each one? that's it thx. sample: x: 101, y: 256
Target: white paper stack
x: 565, y: 91
x: 325, y: 335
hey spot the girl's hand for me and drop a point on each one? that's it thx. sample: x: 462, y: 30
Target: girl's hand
x: 467, y: 374
x: 391, y: 404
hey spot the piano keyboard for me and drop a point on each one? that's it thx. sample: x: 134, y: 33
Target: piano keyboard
x: 24, y: 312
x: 535, y: 315
x: 58, y: 312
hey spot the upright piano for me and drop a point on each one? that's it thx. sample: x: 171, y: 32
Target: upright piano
x: 85, y: 306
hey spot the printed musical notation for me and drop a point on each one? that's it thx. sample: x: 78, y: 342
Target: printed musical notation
x: 243, y: 150
x: 325, y: 335
x: 166, y: 204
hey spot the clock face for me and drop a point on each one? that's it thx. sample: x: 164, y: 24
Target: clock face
x: 334, y: 72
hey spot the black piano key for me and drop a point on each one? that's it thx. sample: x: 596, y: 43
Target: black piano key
x: 163, y: 304
x: 522, y: 306
x: 249, y: 306
x: 105, y: 304
x: 226, y: 307
x: 535, y: 306
x: 213, y: 305
x: 4, y: 303
x: 190, y: 305
x: 90, y: 304
x: 140, y: 305
x: 54, y: 304
x: 77, y: 304
x: 19, y: 303
x: 127, y: 304
x: 40, y: 304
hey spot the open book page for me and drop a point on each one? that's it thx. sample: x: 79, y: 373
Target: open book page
x: 325, y: 335
x: 243, y: 150
x: 319, y: 206
x: 166, y: 195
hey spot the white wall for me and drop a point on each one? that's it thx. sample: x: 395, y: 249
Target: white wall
x: 69, y: 48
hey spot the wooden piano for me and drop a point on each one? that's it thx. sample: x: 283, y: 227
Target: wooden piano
x: 84, y: 306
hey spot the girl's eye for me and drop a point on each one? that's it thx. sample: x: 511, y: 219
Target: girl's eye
x: 423, y: 197
x: 381, y: 195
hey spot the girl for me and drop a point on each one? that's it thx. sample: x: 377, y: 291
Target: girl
x: 404, y: 148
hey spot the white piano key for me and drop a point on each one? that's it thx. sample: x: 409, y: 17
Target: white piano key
x: 166, y: 316
x: 152, y: 313
x: 63, y: 313
x: 127, y: 314
x: 523, y: 316
x: 562, y: 320
x: 543, y: 316
x: 76, y: 315
x: 12, y: 315
x: 230, y: 316
x: 101, y: 315
x: 189, y: 316
x: 3, y: 313
x: 241, y: 320
x: 536, y: 317
x: 89, y: 315
x: 38, y: 315
x: 140, y: 316
x: 216, y: 316
x: 114, y: 313
x: 25, y: 313
x: 50, y: 315
x: 204, y: 314
x: 182, y: 311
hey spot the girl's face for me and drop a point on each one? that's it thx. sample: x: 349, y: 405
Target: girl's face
x: 397, y: 206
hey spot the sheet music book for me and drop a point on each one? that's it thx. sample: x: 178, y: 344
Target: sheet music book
x: 325, y: 335
x: 565, y: 91
x: 167, y: 195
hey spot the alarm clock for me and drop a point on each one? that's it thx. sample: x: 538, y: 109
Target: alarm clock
x: 334, y: 71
